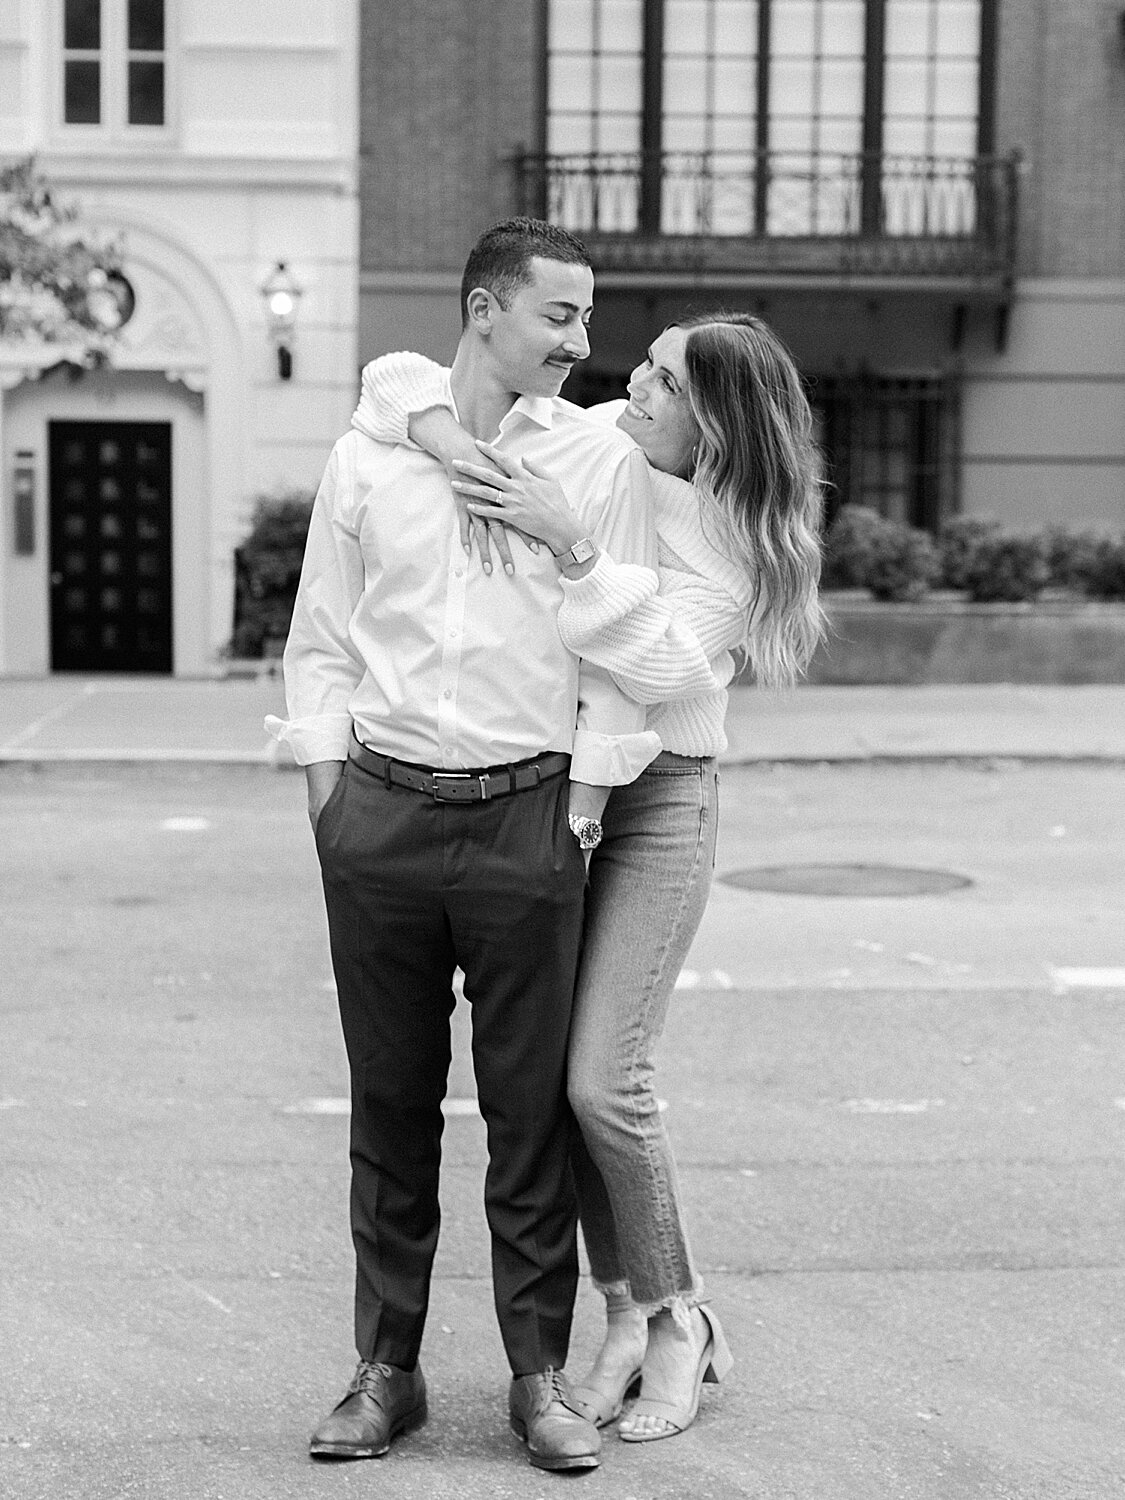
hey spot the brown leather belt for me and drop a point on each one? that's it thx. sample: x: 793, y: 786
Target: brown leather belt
x: 461, y: 786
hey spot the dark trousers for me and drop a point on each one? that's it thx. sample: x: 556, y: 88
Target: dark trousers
x: 414, y: 887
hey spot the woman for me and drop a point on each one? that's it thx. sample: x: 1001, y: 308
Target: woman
x: 718, y: 408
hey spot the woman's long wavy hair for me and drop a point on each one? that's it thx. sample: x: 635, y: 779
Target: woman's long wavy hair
x: 758, y: 479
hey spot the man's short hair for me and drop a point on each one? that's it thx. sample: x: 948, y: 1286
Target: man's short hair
x: 500, y: 261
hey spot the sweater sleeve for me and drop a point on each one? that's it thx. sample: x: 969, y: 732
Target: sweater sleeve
x: 657, y: 635
x: 394, y: 386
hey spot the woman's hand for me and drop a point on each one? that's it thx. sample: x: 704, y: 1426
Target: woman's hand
x: 522, y: 495
x: 438, y: 431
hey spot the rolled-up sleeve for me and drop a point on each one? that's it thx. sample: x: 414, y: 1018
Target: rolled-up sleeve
x: 322, y: 665
x: 611, y: 744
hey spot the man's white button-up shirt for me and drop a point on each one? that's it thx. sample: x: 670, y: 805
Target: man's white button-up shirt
x: 398, y: 632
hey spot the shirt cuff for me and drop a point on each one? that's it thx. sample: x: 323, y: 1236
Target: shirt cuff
x: 612, y: 759
x: 322, y: 737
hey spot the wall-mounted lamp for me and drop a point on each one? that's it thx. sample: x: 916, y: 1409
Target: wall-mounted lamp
x: 282, y: 294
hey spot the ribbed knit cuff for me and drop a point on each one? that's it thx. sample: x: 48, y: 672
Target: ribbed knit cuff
x: 607, y: 593
x: 394, y: 387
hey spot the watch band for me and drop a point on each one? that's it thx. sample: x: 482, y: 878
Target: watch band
x: 581, y: 552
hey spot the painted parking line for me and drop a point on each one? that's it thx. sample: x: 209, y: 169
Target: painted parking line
x: 1088, y: 979
x: 892, y: 1106
x: 704, y: 979
x: 463, y: 1108
x: 185, y: 825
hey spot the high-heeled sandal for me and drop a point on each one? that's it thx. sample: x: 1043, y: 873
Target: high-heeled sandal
x: 593, y: 1404
x: 600, y: 1409
x: 714, y: 1364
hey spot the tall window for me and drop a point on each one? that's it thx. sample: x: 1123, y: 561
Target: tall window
x: 114, y: 64
x: 795, y: 113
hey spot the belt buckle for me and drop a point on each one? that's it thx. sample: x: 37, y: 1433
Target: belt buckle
x: 440, y: 776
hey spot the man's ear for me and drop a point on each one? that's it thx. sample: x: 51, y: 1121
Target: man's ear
x: 480, y: 304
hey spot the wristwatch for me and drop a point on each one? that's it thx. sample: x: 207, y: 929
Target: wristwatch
x: 588, y: 831
x: 581, y: 552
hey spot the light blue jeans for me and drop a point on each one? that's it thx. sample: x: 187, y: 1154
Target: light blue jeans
x: 649, y: 881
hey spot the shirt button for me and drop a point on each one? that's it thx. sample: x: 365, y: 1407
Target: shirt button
x: 458, y: 572
x: 448, y: 693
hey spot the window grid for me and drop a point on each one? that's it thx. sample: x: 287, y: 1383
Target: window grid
x: 766, y: 117
x: 892, y: 444
x: 114, y: 65
x: 82, y: 62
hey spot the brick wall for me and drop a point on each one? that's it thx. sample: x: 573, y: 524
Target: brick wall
x: 448, y: 87
x: 1061, y: 99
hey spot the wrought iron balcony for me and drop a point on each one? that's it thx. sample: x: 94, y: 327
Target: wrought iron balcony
x: 779, y: 217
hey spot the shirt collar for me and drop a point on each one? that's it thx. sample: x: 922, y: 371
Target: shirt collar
x: 539, y: 409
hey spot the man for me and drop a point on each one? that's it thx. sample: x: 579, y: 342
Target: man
x: 450, y: 741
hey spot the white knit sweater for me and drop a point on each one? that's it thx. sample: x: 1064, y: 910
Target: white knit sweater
x: 666, y: 638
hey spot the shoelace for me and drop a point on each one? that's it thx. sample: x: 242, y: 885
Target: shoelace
x: 367, y: 1378
x: 558, y: 1387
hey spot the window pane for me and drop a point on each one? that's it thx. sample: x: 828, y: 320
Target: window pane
x: 958, y: 28
x: 734, y: 134
x: 735, y: 86
x: 906, y: 137
x: 955, y: 137
x: 570, y: 24
x: 841, y: 87
x: 620, y: 24
x: 146, y: 25
x: 685, y: 83
x: 907, y: 88
x: 82, y: 93
x: 956, y: 92
x: 792, y: 84
x: 844, y: 136
x: 619, y: 133
x: 146, y: 93
x: 685, y: 26
x: 736, y: 28
x: 619, y: 83
x: 570, y: 84
x: 82, y: 31
x: 793, y: 28
x: 685, y: 133
x: 842, y: 28
x: 908, y: 28
x: 566, y: 133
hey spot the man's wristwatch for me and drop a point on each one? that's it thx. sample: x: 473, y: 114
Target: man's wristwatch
x: 588, y: 831
x: 581, y: 552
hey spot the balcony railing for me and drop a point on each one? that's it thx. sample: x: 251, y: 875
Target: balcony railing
x: 783, y: 214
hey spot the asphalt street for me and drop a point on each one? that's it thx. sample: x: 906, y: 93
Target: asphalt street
x: 900, y: 1121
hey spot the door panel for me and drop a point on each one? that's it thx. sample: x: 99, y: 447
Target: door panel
x: 111, y: 546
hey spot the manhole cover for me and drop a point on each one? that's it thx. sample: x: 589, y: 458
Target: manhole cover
x: 846, y: 880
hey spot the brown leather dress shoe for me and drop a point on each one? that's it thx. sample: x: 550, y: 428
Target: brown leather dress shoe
x: 542, y: 1413
x: 380, y: 1403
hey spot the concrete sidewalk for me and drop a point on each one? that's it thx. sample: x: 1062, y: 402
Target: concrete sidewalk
x: 220, y: 721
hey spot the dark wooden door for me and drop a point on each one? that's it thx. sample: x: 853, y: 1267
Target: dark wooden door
x: 111, y: 546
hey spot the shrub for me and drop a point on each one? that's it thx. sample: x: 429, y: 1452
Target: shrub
x: 1007, y: 569
x: 904, y: 564
x: 958, y: 541
x: 267, y: 571
x: 1071, y: 558
x: 1105, y: 573
x: 864, y: 550
x: 849, y: 547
